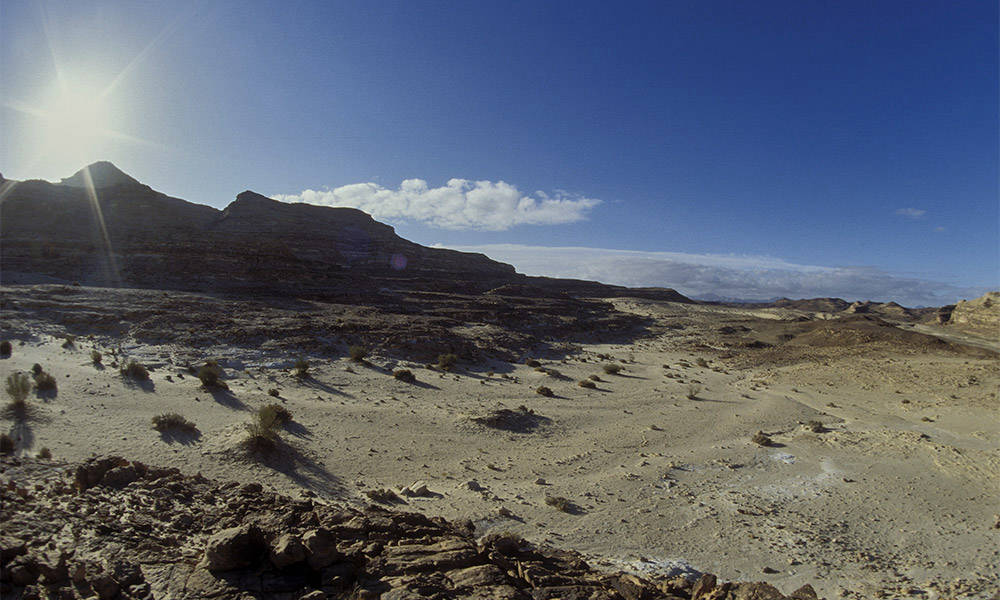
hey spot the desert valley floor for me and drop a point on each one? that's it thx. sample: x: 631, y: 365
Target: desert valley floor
x: 893, y: 493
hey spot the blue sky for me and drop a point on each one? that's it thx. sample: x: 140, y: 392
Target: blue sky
x: 747, y: 149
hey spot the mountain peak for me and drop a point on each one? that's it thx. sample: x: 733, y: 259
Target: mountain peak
x: 102, y: 173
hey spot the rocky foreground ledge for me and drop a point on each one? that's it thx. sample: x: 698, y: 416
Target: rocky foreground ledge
x: 111, y: 528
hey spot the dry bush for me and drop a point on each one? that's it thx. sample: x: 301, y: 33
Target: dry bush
x: 595, y: 378
x: 587, y: 383
x: 446, y: 362
x: 45, y: 382
x: 815, y: 426
x: 301, y: 368
x: 69, y: 341
x: 383, y: 496
x: 357, y: 353
x: 44, y: 454
x: 173, y: 421
x: 701, y: 362
x: 612, y: 368
x: 405, y: 375
x: 210, y: 375
x: 559, y: 503
x: 135, y: 370
x: 532, y: 363
x: 36, y: 369
x: 262, y: 431
x: 273, y: 392
x: 544, y: 391
x: 6, y: 348
x: 18, y: 388
x: 6, y: 444
x: 275, y: 413
x: 693, y: 389
x: 761, y: 439
x: 96, y: 357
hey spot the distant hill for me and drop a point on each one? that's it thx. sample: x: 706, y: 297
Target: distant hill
x: 103, y: 227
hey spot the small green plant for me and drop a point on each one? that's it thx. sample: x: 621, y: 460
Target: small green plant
x: 45, y: 382
x: 301, y: 368
x: 693, y: 389
x: 135, y: 370
x: 446, y: 362
x: 5, y: 348
x: 262, y: 431
x: 210, y: 375
x: 559, y: 503
x: 612, y: 368
x: 96, y: 357
x: 44, y: 454
x: 18, y: 388
x: 532, y: 363
x: 587, y: 383
x: 274, y: 392
x: 6, y: 444
x: 357, y: 353
x: 173, y: 421
x: 544, y: 391
x: 405, y: 375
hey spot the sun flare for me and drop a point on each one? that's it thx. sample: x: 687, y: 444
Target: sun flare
x: 74, y: 121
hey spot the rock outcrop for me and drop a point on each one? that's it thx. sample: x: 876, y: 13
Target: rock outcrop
x: 980, y: 315
x: 111, y: 528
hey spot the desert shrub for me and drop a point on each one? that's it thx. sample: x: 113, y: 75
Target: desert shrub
x: 276, y: 413
x: 544, y: 391
x: 612, y: 368
x: 6, y: 444
x: 701, y: 362
x: 405, y: 375
x: 693, y: 389
x: 262, y: 431
x: 6, y: 348
x: 761, y: 439
x: 552, y: 372
x: 273, y: 392
x: 446, y: 362
x: 45, y: 382
x: 96, y: 357
x: 532, y: 363
x: 135, y: 370
x: 815, y: 426
x: 68, y: 341
x: 36, y: 369
x: 357, y: 353
x: 559, y: 503
x: 301, y: 368
x: 44, y: 454
x: 18, y: 387
x: 210, y: 375
x: 173, y: 421
x: 595, y: 378
x: 587, y: 383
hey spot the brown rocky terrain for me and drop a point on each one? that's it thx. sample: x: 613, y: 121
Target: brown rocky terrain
x: 980, y: 315
x: 110, y: 528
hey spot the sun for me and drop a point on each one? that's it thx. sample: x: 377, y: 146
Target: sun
x: 73, y: 123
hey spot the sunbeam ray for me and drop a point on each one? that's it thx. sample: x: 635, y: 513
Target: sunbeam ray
x: 113, y: 274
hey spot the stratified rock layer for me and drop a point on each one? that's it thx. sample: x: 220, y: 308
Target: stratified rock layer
x: 111, y: 528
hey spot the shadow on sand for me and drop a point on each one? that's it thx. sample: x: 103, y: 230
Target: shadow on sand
x: 180, y: 436
x: 296, y: 465
x: 226, y: 398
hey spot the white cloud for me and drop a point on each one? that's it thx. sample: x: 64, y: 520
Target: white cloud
x: 911, y: 213
x: 460, y: 204
x: 725, y: 276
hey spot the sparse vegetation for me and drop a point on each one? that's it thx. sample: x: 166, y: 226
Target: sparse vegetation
x: 135, y: 370
x: 210, y: 375
x: 262, y: 431
x: 383, y: 496
x: 45, y: 382
x: 532, y: 363
x: 587, y: 383
x: 5, y: 348
x: 277, y: 413
x: 612, y: 368
x: 357, y: 353
x: 173, y: 421
x: 446, y: 362
x: 595, y: 378
x: 273, y: 392
x: 96, y: 357
x: 761, y: 439
x: 301, y: 368
x: 18, y: 388
x: 405, y: 375
x: 44, y: 454
x: 36, y: 369
x: 6, y: 444
x: 701, y: 362
x: 544, y: 391
x: 559, y: 503
x: 815, y: 426
x: 693, y: 389
x: 68, y: 341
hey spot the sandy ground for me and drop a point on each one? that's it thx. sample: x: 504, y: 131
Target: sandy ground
x: 898, y: 496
